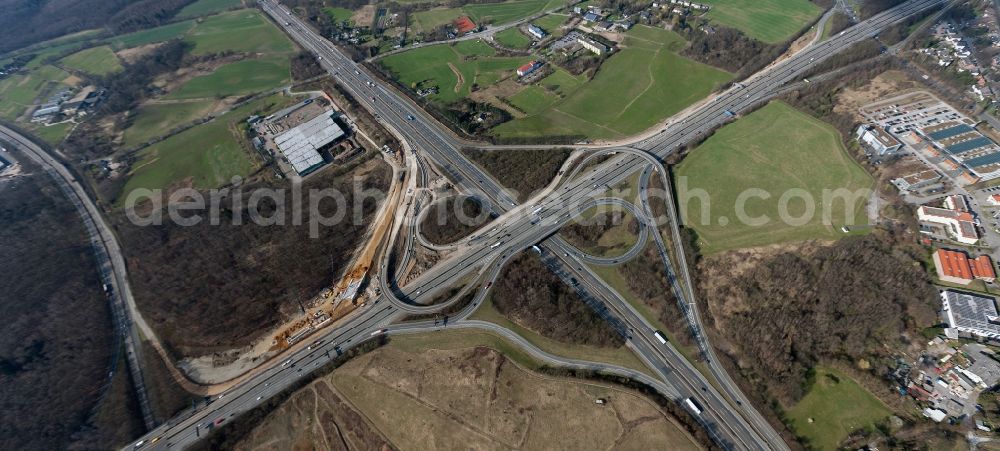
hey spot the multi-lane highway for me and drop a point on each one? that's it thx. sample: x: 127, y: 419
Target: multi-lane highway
x: 733, y: 426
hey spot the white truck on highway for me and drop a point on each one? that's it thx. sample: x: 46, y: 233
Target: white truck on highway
x: 693, y: 406
x: 659, y: 336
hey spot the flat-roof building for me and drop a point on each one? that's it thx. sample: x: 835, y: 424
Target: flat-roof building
x: 301, y: 145
x: 971, y: 313
x: 592, y: 45
x: 878, y: 139
x: 960, y: 225
x: 962, y: 144
x: 917, y: 180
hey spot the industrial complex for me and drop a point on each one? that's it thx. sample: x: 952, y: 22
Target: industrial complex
x: 302, y: 137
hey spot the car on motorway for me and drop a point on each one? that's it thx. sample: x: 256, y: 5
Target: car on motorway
x: 410, y: 117
x: 286, y: 362
x: 260, y: 398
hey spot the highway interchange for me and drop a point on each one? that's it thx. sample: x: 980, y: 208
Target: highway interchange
x: 727, y: 415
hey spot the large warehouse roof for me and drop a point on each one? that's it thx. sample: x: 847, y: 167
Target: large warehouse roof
x: 971, y: 144
x: 950, y: 131
x: 301, y: 144
x: 971, y: 313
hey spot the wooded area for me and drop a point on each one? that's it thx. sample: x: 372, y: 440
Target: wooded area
x: 58, y: 344
x: 532, y: 296
x: 25, y: 22
x: 442, y: 224
x: 212, y: 287
x: 796, y: 308
x: 522, y: 171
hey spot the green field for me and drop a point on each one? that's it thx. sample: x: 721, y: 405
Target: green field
x: 205, y: 156
x: 492, y: 13
x: 244, y: 30
x: 95, y: 60
x: 339, y: 14
x: 838, y: 406
x: 771, y: 21
x: 19, y: 91
x: 780, y: 151
x: 241, y: 77
x: 62, y: 42
x: 436, y: 65
x: 513, y: 38
x: 52, y: 134
x: 425, y: 21
x: 157, y: 119
x: 562, y: 82
x: 206, y: 7
x: 152, y: 35
x: 635, y: 88
x: 533, y: 99
x: 509, y: 11
x: 241, y: 31
x: 550, y: 22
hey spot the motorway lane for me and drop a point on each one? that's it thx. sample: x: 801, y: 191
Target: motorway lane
x: 523, y: 234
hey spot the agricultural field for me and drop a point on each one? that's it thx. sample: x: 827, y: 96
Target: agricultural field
x: 99, y: 60
x: 475, y: 404
x: 152, y: 35
x: 242, y: 77
x: 533, y: 99
x: 52, y: 134
x: 245, y: 30
x: 550, y: 22
x: 339, y: 14
x: 509, y: 11
x: 18, y: 91
x: 206, y: 7
x: 61, y: 41
x: 513, y: 38
x: 771, y: 21
x: 202, y: 157
x: 156, y: 119
x: 836, y: 406
x: 775, y: 151
x: 492, y: 13
x: 453, y: 68
x: 635, y: 88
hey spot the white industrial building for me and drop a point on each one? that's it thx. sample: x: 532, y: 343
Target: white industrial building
x: 971, y: 313
x: 878, y: 140
x: 538, y: 33
x: 592, y: 45
x: 301, y: 145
